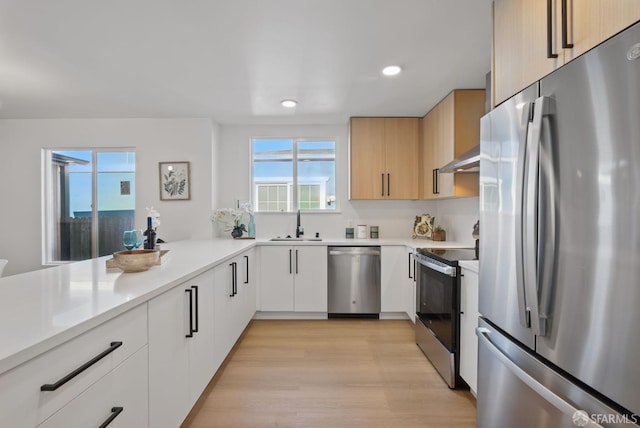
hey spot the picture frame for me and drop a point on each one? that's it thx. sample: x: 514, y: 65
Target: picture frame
x: 423, y: 226
x: 174, y: 181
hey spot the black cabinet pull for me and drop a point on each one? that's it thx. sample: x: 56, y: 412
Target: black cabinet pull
x: 382, y: 176
x: 190, y: 293
x: 290, y: 263
x: 195, y: 293
x: 433, y: 181
x: 115, y: 411
x: 550, y: 53
x: 246, y: 279
x: 436, y: 191
x: 296, y: 262
x: 410, y: 254
x: 414, y: 271
x: 233, y: 285
x: 388, y: 184
x: 235, y: 278
x: 53, y: 386
x: 565, y: 43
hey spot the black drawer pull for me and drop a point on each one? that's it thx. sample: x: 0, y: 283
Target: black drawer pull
x: 189, y: 291
x: 115, y: 411
x: 246, y: 279
x: 195, y: 290
x: 53, y: 386
x: 550, y: 53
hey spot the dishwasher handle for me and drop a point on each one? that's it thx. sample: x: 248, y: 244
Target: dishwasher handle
x: 367, y: 252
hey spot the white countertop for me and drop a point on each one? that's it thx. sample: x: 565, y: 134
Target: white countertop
x: 42, y: 309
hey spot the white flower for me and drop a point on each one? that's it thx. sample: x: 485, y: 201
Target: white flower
x: 229, y: 217
x: 155, y: 217
x: 247, y: 207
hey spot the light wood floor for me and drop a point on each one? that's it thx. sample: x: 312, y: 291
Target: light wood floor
x: 330, y: 373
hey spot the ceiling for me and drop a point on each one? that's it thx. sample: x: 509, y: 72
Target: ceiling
x: 235, y: 60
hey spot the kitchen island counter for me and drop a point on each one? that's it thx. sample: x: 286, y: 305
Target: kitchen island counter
x: 42, y: 309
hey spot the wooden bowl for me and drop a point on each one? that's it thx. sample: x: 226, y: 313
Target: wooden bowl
x: 135, y: 260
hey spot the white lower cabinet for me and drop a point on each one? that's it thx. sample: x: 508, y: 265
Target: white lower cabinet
x: 234, y: 301
x: 293, y: 278
x: 119, y: 399
x: 411, y: 295
x: 34, y: 391
x: 181, y: 349
x: 396, y: 276
x: 468, y: 324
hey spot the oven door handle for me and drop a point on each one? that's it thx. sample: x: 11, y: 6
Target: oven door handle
x: 444, y: 269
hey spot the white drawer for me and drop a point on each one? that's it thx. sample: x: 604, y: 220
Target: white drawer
x: 120, y: 396
x: 23, y: 404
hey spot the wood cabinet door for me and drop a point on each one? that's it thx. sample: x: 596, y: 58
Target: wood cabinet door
x: 367, y: 151
x: 444, y: 145
x: 591, y: 22
x: 520, y: 45
x: 310, y: 269
x: 429, y: 132
x: 401, y: 135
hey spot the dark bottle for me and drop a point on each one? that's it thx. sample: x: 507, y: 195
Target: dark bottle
x: 150, y: 242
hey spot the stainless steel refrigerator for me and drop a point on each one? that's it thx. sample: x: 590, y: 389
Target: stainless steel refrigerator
x: 559, y: 341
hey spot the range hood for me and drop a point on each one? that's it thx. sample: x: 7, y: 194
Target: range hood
x: 467, y: 162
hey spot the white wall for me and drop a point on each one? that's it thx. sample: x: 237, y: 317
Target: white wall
x: 395, y: 218
x: 154, y: 140
x: 457, y: 217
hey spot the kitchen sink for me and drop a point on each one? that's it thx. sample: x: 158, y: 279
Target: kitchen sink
x: 295, y: 239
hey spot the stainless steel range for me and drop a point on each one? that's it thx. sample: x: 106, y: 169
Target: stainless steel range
x: 438, y: 308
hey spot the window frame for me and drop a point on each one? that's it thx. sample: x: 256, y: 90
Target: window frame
x: 48, y: 206
x: 295, y: 202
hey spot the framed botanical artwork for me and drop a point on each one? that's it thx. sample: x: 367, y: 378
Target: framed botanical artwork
x: 175, y: 181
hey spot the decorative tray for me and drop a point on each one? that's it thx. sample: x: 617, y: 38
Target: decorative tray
x: 111, y: 263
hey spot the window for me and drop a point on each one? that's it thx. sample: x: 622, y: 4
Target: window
x: 89, y: 202
x: 276, y: 175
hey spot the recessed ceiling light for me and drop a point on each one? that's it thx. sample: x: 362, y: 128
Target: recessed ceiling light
x: 391, y: 70
x: 289, y: 103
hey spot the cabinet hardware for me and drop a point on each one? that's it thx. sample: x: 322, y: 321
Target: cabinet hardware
x: 410, y: 254
x: 234, y: 279
x: 550, y: 53
x: 115, y: 411
x: 436, y: 191
x: 290, y: 263
x: 53, y: 386
x: 388, y: 184
x: 190, y: 293
x: 382, y: 176
x: 246, y: 278
x: 414, y: 271
x: 296, y: 262
x: 195, y: 293
x: 565, y: 17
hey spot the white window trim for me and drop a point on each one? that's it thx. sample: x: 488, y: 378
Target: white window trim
x: 337, y: 162
x: 47, y: 207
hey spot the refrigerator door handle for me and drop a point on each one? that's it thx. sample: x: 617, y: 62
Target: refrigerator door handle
x: 521, y: 195
x: 544, y: 392
x: 547, y: 221
x: 530, y: 207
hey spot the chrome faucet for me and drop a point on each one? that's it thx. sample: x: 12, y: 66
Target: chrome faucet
x: 299, y: 230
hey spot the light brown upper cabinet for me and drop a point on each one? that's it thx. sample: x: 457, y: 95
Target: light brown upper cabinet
x: 451, y: 128
x: 531, y: 38
x: 384, y: 158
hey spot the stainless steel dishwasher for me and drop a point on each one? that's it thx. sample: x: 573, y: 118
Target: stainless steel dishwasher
x: 354, y: 282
